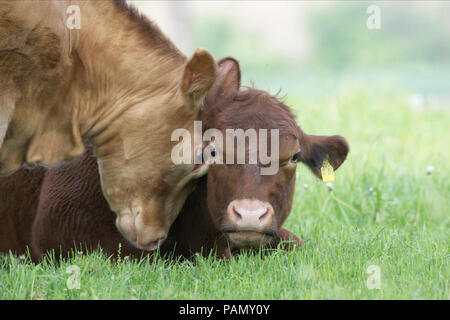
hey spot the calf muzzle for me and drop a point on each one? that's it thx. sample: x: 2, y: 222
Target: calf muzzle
x: 249, y: 223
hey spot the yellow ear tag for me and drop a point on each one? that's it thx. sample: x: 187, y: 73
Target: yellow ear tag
x: 327, y: 171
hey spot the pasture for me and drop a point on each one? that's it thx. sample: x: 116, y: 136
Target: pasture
x: 384, y: 210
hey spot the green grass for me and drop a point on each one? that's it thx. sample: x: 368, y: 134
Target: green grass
x: 385, y: 211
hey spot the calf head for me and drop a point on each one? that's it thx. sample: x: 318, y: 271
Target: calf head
x: 124, y: 90
x: 247, y: 206
x: 140, y: 182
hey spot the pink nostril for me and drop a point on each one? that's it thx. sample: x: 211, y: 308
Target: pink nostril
x: 264, y: 216
x: 235, y: 214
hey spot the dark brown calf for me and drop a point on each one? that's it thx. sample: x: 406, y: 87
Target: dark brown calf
x: 243, y: 204
x: 19, y: 198
x: 233, y: 207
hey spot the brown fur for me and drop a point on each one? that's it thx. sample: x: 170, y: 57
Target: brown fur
x: 73, y: 212
x: 117, y: 82
x: 229, y: 107
x: 19, y: 198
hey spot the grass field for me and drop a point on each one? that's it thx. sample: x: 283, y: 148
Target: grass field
x: 385, y: 211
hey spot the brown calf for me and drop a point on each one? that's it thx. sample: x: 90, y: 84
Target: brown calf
x: 233, y: 207
x: 118, y: 82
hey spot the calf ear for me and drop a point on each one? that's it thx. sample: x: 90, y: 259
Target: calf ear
x: 228, y: 80
x: 199, y: 76
x: 315, y: 149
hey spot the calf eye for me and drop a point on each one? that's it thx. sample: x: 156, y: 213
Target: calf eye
x: 296, y: 157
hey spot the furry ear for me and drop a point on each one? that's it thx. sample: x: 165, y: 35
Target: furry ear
x: 316, y: 148
x: 56, y: 141
x: 199, y: 75
x: 228, y: 80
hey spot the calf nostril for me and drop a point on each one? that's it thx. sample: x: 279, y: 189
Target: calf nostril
x: 236, y: 214
x: 264, y: 216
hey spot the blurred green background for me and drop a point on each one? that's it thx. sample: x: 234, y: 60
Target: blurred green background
x: 314, y: 48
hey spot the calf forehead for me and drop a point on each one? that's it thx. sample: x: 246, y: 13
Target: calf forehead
x: 250, y: 108
x: 263, y: 117
x: 245, y: 181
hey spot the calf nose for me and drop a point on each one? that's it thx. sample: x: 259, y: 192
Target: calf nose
x: 142, y: 236
x: 250, y: 214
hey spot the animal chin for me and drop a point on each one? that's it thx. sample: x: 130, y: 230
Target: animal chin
x: 152, y: 246
x: 155, y: 244
x: 248, y: 239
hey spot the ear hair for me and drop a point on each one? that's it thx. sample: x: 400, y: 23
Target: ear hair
x: 228, y: 81
x: 199, y: 75
x: 317, y: 148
